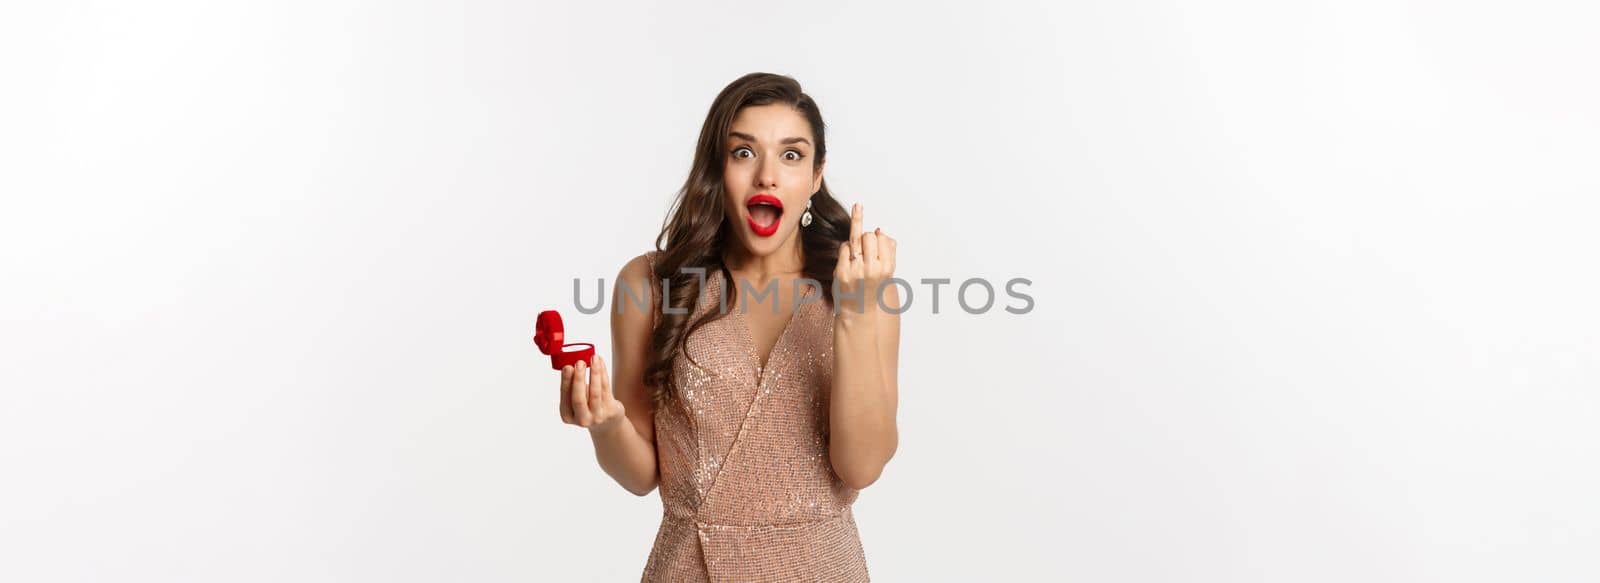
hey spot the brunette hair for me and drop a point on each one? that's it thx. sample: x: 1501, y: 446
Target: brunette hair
x: 695, y: 230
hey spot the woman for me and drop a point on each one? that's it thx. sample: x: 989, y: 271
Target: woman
x: 757, y: 402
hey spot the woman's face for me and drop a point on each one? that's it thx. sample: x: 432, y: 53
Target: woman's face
x: 769, y: 175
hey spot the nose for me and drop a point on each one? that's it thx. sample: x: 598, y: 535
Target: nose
x: 766, y: 176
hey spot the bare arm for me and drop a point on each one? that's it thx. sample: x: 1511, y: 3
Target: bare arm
x: 618, y: 411
x: 866, y: 344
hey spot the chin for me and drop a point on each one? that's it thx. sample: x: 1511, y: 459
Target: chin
x: 763, y: 246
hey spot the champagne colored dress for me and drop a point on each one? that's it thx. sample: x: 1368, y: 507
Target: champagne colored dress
x: 747, y: 489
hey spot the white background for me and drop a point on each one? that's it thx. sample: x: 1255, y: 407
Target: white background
x: 1314, y: 283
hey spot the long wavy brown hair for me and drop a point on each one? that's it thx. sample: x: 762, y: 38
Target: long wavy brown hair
x: 696, y: 228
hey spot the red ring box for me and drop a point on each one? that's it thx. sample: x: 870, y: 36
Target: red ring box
x: 549, y: 336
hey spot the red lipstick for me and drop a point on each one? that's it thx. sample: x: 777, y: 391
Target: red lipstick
x: 768, y: 208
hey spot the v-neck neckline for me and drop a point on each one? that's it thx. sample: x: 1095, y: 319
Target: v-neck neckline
x: 750, y: 337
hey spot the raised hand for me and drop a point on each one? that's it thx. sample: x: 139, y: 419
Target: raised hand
x: 866, y: 261
x: 586, y: 399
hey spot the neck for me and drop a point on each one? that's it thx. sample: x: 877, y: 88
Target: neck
x: 787, y: 260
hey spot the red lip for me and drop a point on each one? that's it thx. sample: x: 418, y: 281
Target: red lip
x: 763, y: 198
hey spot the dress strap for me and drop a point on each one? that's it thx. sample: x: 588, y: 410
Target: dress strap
x: 655, y: 288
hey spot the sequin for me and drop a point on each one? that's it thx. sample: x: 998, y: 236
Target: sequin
x: 747, y: 489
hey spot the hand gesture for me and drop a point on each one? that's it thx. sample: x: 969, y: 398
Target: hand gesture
x: 866, y: 261
x: 586, y: 399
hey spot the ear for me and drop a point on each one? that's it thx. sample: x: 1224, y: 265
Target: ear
x: 816, y: 177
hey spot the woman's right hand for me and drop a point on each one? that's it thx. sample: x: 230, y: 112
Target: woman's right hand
x: 586, y: 399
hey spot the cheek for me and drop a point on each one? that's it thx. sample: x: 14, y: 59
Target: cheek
x: 733, y: 210
x: 730, y: 178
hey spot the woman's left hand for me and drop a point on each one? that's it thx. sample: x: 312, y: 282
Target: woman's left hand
x: 866, y: 261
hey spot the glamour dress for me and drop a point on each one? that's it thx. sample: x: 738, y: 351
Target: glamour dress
x: 747, y: 489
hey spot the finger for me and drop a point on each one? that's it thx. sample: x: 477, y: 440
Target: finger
x: 869, y: 251
x: 607, y: 396
x: 566, y: 394
x: 889, y: 255
x: 580, y: 394
x: 856, y: 213
x: 597, y: 386
x: 605, y: 380
x: 842, y: 268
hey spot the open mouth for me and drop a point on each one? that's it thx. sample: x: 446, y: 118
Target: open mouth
x: 764, y: 211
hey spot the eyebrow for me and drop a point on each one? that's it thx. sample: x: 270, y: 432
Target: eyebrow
x: 750, y: 138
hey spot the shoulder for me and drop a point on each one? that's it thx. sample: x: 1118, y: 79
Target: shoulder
x: 633, y: 295
x: 640, y: 267
x: 641, y: 270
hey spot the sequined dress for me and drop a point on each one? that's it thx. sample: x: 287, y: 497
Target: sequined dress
x: 747, y: 489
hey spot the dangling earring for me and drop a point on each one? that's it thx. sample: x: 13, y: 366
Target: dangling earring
x: 805, y: 219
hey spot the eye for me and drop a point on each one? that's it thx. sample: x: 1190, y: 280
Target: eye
x: 797, y: 154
